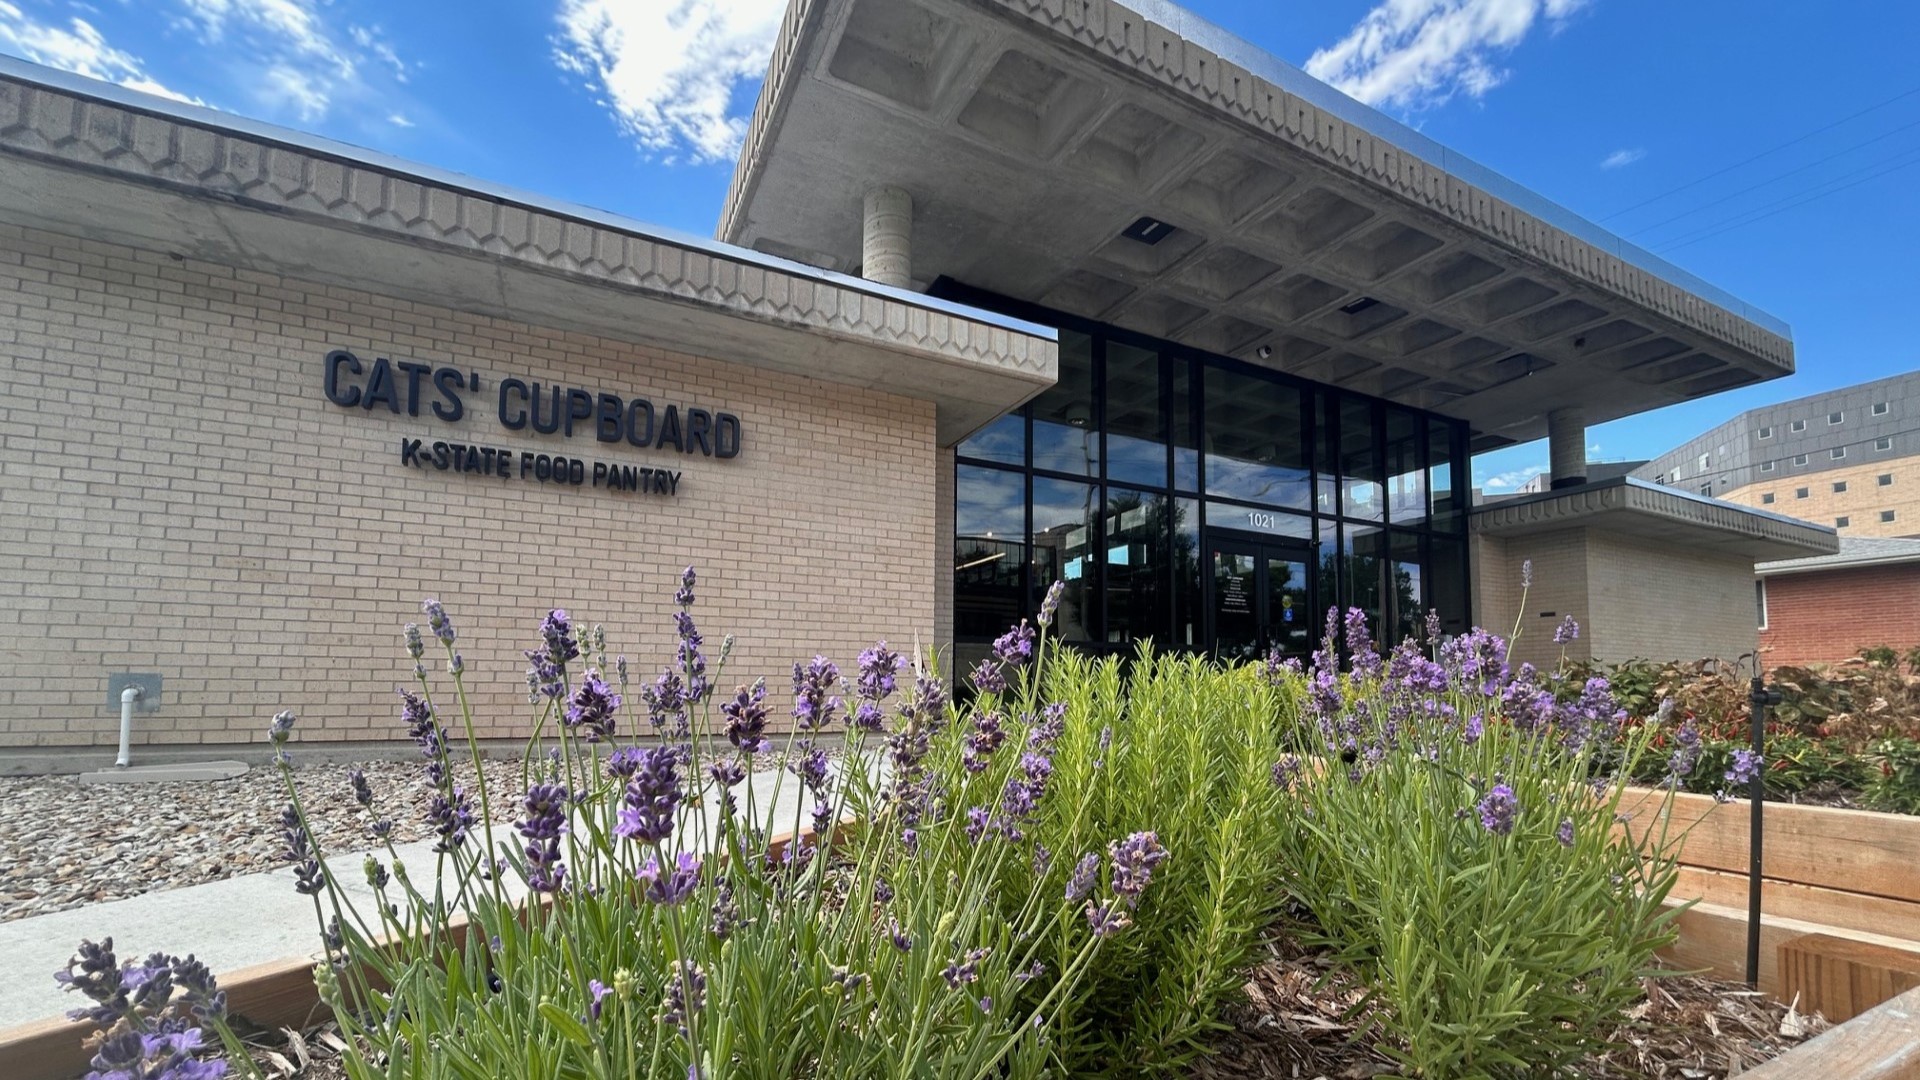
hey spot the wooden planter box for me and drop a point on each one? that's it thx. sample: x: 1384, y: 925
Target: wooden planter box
x: 1840, y: 898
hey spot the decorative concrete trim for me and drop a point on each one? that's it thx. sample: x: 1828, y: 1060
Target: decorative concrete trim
x: 133, y: 138
x: 1284, y: 104
x: 1578, y: 506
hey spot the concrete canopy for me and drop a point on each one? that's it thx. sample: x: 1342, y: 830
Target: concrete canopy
x: 100, y: 162
x: 1032, y: 133
x: 1657, y: 515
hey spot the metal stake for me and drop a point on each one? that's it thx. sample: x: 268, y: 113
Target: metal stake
x: 1762, y: 696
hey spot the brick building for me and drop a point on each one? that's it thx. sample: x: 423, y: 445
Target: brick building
x: 1002, y: 294
x: 1826, y: 608
x: 1848, y: 458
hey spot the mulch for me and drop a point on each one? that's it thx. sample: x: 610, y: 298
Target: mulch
x: 1299, y: 1022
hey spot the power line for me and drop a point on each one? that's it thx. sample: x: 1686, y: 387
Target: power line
x: 1764, y: 153
x: 1769, y: 183
x: 1733, y: 223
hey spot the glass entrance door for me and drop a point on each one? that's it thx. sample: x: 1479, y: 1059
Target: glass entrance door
x: 1260, y: 598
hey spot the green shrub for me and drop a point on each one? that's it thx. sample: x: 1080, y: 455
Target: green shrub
x: 1893, y: 776
x: 1456, y: 846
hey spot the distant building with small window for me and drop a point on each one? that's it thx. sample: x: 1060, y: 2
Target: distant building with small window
x: 1824, y: 609
x: 1847, y: 458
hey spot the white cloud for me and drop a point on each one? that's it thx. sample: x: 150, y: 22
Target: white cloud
x: 1415, y: 54
x: 1622, y: 158
x: 79, y: 48
x: 399, y: 120
x: 1511, y: 479
x: 667, y: 69
x: 294, y: 61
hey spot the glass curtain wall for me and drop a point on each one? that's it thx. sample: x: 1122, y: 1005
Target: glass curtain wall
x: 1146, y: 456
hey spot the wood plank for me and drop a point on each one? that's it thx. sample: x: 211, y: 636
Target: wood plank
x: 1808, y: 903
x: 1840, y: 978
x: 1857, y: 851
x: 1881, y: 1044
x: 1713, y: 940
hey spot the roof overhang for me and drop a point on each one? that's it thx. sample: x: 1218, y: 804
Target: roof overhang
x: 1657, y: 515
x: 1032, y: 133
x: 100, y: 162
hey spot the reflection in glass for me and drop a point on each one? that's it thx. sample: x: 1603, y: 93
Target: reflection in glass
x: 1359, y: 462
x: 989, y: 527
x: 1441, y: 462
x: 1406, y: 480
x: 1256, y: 440
x: 1065, y: 438
x: 1366, y: 556
x: 1333, y: 587
x: 1447, y: 589
x: 1004, y: 440
x: 1269, y: 522
x: 1136, y: 427
x: 1186, y: 444
x: 1187, y: 629
x: 1138, y: 528
x: 1063, y: 539
x: 1409, y: 599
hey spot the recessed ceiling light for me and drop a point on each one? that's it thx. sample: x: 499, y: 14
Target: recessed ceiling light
x: 1148, y: 231
x: 1357, y: 306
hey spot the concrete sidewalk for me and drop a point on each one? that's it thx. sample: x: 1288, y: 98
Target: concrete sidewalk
x: 242, y: 921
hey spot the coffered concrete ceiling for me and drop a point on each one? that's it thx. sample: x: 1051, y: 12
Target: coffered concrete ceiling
x: 1307, y: 232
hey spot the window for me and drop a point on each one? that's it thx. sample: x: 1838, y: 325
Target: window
x: 1766, y: 432
x: 1834, y: 418
x: 1837, y: 453
x: 1705, y: 461
x: 1799, y: 459
x: 1760, y: 600
x: 1766, y: 499
x: 1839, y: 486
x: 1841, y: 522
x: 1880, y: 408
x: 1799, y: 493
x: 1766, y: 466
x: 1706, y: 489
x: 1797, y: 425
x: 1886, y: 479
x: 1886, y: 515
x: 1883, y: 443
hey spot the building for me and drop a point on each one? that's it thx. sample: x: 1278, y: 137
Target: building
x: 1826, y: 608
x: 1596, y: 470
x: 1003, y: 294
x: 1849, y: 458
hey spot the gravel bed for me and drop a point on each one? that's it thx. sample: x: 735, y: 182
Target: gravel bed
x: 72, y: 844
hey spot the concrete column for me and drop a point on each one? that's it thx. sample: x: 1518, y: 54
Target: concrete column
x: 886, y: 243
x: 1567, y: 447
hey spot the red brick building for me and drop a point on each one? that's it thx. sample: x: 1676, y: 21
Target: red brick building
x: 1825, y: 609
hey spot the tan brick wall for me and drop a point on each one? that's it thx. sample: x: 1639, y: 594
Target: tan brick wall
x: 1664, y: 602
x: 1632, y: 598
x: 1861, y: 503
x: 177, y: 495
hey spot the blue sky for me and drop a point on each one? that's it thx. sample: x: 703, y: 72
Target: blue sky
x: 1791, y: 131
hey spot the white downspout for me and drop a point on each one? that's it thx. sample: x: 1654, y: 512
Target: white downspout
x: 127, y: 698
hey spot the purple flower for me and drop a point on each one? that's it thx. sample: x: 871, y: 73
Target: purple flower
x: 1567, y: 631
x: 307, y: 878
x: 1686, y: 752
x: 1015, y: 647
x: 683, y: 596
x: 438, y: 622
x: 988, y: 678
x: 813, y: 700
x: 652, y: 796
x: 746, y: 717
x: 724, y: 915
x: 451, y: 816
x: 1471, y: 731
x: 592, y: 707
x: 965, y: 970
x: 281, y: 728
x: 811, y: 767
x: 986, y: 737
x: 693, y: 664
x: 727, y: 772
x: 1050, y: 604
x: 1107, y: 918
x: 667, y: 701
x: 879, y: 667
x: 1052, y: 725
x: 1744, y: 768
x: 900, y: 938
x: 1286, y: 772
x: 670, y: 886
x: 415, y: 647
x: 544, y: 821
x: 362, y: 791
x: 910, y: 841
x: 1564, y: 833
x: 547, y: 673
x: 1526, y: 574
x: 686, y: 995
x: 96, y: 972
x: 1134, y: 860
x: 1364, y: 659
x: 1497, y: 809
x: 925, y: 703
x: 977, y: 821
x: 1084, y: 872
x: 597, y: 991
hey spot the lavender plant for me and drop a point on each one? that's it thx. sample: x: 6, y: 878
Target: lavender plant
x: 650, y: 900
x: 1456, y: 843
